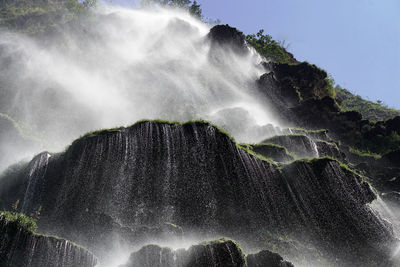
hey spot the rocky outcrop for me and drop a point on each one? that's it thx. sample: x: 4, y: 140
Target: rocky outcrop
x: 267, y: 258
x: 327, y: 149
x: 275, y: 152
x: 306, y: 79
x: 19, y: 246
x: 224, y: 35
x: 195, y: 176
x: 300, y: 145
x: 219, y: 253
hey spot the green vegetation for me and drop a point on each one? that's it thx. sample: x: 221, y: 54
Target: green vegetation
x: 347, y: 168
x: 269, y: 48
x: 364, y: 153
x: 369, y: 110
x: 272, y: 151
x: 317, y: 131
x: 19, y: 220
x: 37, y: 16
x: 119, y: 129
x: 381, y: 143
x: 248, y: 149
x: 315, y: 161
x: 330, y: 86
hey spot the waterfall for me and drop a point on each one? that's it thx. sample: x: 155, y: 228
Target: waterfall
x: 195, y: 178
x: 37, y: 171
x: 221, y: 252
x: 125, y: 65
x: 315, y: 149
x: 390, y: 213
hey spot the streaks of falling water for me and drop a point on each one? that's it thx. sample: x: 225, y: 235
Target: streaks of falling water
x: 230, y: 254
x: 388, y: 213
x: 315, y: 148
x: 23, y: 248
x: 36, y: 173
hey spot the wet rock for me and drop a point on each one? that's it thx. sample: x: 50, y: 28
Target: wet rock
x: 267, y: 258
x: 194, y: 176
x: 308, y: 80
x: 226, y: 36
x: 275, y: 152
x: 276, y: 94
x: 391, y: 159
x: 321, y: 134
x: 19, y: 246
x: 219, y: 253
x: 326, y: 149
x: 300, y: 145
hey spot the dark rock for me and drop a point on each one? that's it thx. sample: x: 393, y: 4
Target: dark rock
x: 393, y: 124
x: 219, y: 253
x: 307, y: 79
x: 267, y: 258
x: 326, y: 149
x: 300, y: 145
x: 193, y: 175
x: 226, y: 36
x: 278, y: 95
x: 392, y: 158
x: 321, y: 134
x: 277, y: 153
x: 21, y: 247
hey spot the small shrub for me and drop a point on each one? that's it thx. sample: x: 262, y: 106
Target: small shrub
x: 18, y: 220
x: 269, y: 48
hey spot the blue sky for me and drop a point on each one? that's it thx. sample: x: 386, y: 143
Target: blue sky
x: 357, y: 41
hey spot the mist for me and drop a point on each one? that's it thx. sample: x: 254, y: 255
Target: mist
x: 123, y: 65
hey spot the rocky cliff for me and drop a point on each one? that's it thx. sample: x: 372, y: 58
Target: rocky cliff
x: 20, y: 246
x: 193, y: 175
x: 218, y: 253
x: 163, y: 182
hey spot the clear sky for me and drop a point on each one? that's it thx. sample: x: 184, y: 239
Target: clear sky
x: 357, y: 41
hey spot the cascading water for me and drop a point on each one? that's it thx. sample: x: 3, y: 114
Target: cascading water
x: 92, y: 195
x: 119, y: 66
x: 36, y: 174
x: 119, y: 189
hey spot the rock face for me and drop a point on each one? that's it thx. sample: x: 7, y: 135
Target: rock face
x: 224, y: 35
x: 327, y: 149
x: 267, y: 258
x: 275, y: 152
x: 118, y: 181
x: 219, y: 253
x: 21, y: 247
x: 300, y: 145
